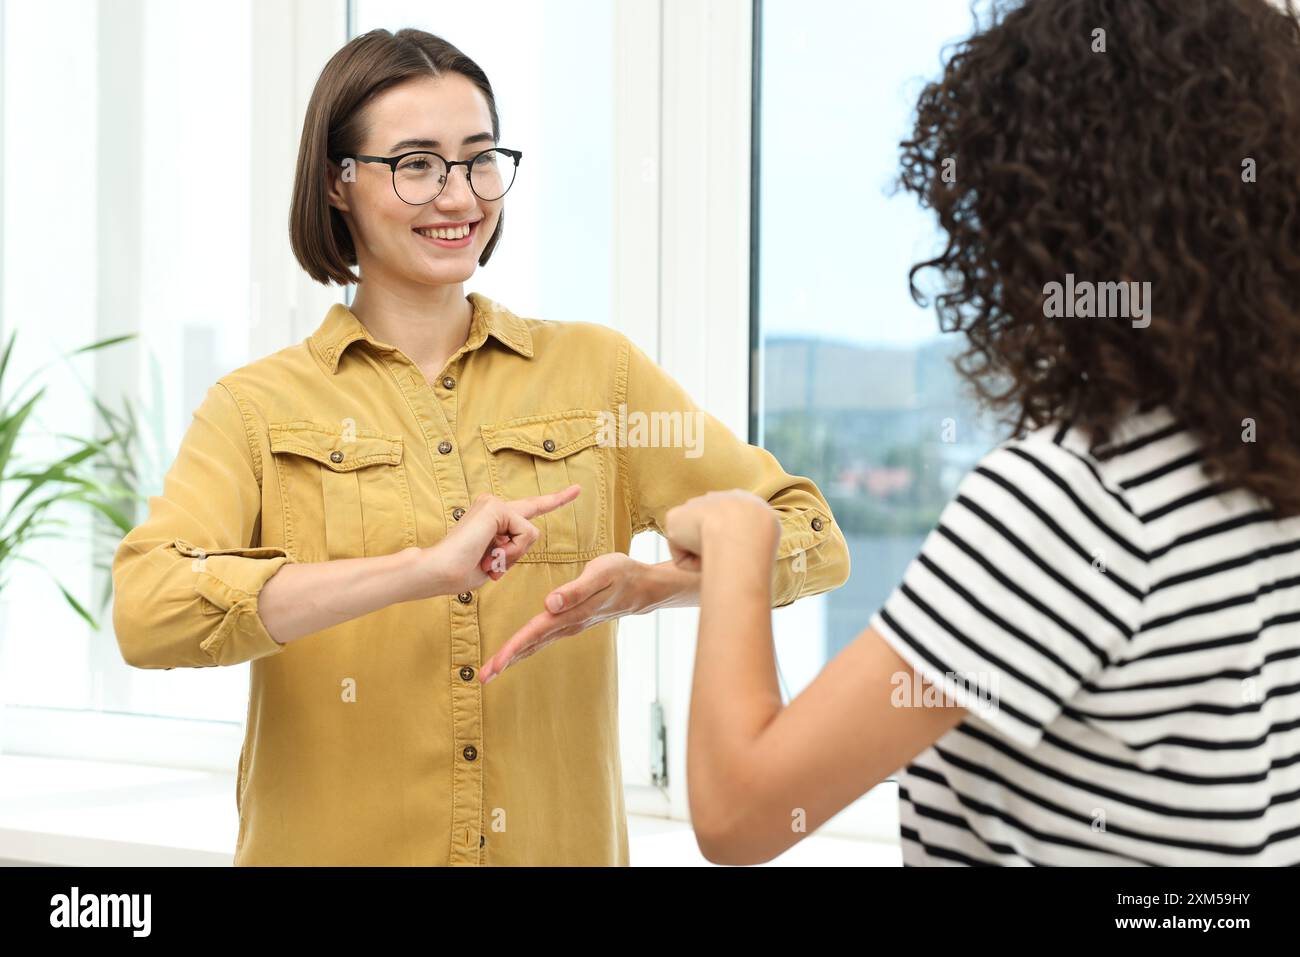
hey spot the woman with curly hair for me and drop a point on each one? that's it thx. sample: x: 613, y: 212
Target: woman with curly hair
x: 1095, y: 658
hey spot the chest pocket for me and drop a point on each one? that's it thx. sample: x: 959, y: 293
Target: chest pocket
x: 536, y: 454
x: 345, y: 493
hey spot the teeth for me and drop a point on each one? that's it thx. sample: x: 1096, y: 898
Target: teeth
x: 458, y: 233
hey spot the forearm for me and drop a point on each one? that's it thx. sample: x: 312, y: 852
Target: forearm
x: 303, y: 598
x: 735, y: 692
x: 665, y: 585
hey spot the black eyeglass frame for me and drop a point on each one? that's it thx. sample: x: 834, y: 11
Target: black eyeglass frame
x: 392, y: 161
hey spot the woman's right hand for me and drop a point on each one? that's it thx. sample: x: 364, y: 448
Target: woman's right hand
x: 487, y: 541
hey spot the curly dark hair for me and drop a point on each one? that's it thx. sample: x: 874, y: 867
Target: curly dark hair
x: 1173, y: 157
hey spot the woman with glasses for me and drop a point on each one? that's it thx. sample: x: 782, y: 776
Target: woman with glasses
x: 1095, y: 658
x: 369, y: 515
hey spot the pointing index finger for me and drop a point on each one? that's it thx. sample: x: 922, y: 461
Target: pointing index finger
x: 541, y: 504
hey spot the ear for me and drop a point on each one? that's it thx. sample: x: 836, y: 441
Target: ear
x: 334, y: 191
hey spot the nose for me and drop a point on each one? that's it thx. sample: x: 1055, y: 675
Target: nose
x: 456, y: 193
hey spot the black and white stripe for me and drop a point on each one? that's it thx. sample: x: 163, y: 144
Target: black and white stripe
x: 1140, y: 628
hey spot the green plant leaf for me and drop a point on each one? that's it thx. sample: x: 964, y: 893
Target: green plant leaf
x: 102, y: 343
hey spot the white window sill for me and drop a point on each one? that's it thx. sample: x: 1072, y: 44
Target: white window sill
x: 60, y: 812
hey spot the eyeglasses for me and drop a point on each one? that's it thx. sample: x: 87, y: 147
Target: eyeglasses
x: 418, y: 177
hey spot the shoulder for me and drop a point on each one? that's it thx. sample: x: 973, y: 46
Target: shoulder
x: 589, y: 339
x: 1054, y: 493
x: 269, y: 370
x: 575, y: 334
x: 582, y: 346
x: 258, y: 387
x: 1058, y: 489
x: 1058, y: 460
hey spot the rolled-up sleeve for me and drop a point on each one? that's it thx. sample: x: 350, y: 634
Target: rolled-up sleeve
x: 186, y: 581
x: 667, y: 463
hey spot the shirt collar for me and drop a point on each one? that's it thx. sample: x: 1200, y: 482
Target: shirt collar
x: 341, y: 328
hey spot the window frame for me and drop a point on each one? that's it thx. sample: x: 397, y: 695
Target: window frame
x: 712, y: 106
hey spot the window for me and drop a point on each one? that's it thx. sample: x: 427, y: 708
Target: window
x: 166, y: 220
x: 120, y: 236
x: 857, y: 390
x: 187, y: 152
x: 552, y: 75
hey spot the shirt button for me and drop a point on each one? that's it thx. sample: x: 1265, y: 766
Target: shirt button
x: 448, y: 382
x: 817, y: 524
x: 549, y: 445
x: 457, y: 513
x: 466, y: 673
x: 336, y: 456
x: 465, y: 597
x: 481, y: 840
x: 444, y: 446
x: 470, y: 752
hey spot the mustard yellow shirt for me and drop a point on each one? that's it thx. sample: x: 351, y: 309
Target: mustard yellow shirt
x: 372, y: 742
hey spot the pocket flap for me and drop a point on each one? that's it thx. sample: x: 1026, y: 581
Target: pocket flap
x: 550, y: 436
x: 332, y: 449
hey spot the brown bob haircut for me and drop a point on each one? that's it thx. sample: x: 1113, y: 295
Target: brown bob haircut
x: 335, y: 125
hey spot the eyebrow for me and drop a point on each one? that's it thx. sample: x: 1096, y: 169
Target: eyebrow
x: 421, y: 144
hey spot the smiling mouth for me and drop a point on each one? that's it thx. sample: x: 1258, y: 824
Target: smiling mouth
x: 456, y: 232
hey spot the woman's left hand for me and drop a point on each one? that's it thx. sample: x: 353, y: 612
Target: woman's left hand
x: 609, y: 587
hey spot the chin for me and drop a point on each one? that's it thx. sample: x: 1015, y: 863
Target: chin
x: 448, y: 273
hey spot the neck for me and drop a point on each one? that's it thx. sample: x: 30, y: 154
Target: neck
x: 428, y: 328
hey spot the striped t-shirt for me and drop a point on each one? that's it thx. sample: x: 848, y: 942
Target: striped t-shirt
x: 1126, y: 636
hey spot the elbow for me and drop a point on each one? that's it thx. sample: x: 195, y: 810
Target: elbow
x: 130, y: 627
x: 712, y: 833
x: 714, y: 849
x: 131, y: 638
x: 718, y: 846
x: 708, y: 802
x: 137, y: 639
x: 726, y: 820
x: 733, y: 846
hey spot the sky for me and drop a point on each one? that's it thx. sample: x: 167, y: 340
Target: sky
x: 839, y: 83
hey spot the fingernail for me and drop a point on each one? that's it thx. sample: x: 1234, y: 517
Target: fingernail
x: 555, y: 603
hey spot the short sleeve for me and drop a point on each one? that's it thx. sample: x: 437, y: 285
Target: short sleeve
x: 1029, y: 585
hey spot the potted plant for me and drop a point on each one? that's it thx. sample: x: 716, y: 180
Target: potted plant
x: 41, y: 485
